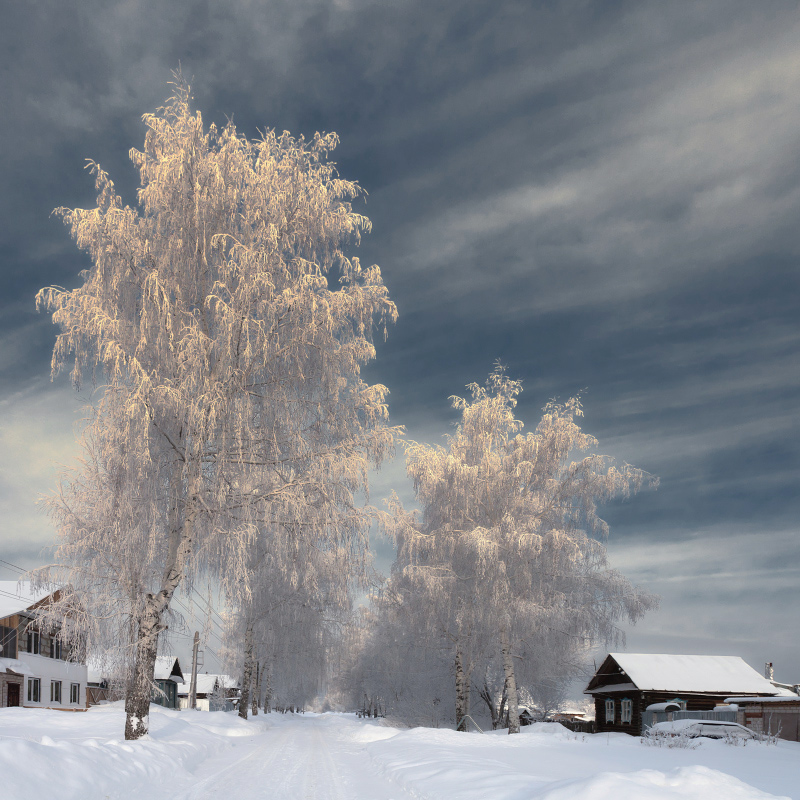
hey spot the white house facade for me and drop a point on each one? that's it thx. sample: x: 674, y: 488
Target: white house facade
x: 35, y: 671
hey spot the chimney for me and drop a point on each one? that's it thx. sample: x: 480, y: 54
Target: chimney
x: 769, y: 673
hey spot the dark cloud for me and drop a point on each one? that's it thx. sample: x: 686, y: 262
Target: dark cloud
x: 602, y: 194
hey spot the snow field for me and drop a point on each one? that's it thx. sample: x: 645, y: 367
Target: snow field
x: 85, y: 756
x: 198, y: 755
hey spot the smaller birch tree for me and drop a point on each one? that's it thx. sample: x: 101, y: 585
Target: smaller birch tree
x: 509, y: 543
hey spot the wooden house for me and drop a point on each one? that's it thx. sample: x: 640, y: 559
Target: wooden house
x: 166, y: 677
x: 214, y: 692
x: 630, y: 690
x: 35, y: 670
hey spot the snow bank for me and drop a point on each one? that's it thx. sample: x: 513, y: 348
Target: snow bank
x: 548, y: 762
x: 684, y: 783
x: 84, y: 755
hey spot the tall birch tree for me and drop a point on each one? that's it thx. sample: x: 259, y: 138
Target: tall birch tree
x: 230, y: 328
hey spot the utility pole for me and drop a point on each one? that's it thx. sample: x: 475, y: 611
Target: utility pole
x: 193, y: 686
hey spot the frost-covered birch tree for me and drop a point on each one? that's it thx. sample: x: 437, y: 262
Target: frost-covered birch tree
x: 229, y: 327
x: 509, y: 543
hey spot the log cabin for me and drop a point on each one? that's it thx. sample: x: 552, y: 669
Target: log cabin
x: 630, y: 690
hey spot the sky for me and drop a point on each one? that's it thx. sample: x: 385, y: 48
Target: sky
x: 602, y: 195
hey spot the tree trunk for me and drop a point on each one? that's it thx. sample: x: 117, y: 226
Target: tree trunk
x: 495, y: 711
x: 247, y: 674
x: 462, y: 692
x: 256, y: 691
x: 268, y: 690
x: 137, y: 694
x: 511, y: 683
x: 138, y: 690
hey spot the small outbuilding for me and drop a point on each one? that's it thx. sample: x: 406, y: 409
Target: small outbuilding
x: 779, y: 716
x: 632, y: 691
x: 166, y: 677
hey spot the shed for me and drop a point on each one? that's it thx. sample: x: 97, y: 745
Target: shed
x: 626, y: 684
x: 166, y: 677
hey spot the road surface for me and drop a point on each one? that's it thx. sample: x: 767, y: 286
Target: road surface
x: 301, y: 756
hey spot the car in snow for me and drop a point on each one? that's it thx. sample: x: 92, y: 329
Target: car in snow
x: 693, y: 728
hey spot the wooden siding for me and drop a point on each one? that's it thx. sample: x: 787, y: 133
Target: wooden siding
x: 641, y: 700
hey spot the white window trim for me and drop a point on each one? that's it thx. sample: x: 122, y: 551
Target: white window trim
x: 610, y: 708
x: 72, y: 690
x: 34, y: 696
x: 53, y: 699
x: 626, y: 711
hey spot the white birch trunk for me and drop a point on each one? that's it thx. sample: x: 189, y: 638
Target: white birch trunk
x: 137, y: 696
x: 511, y: 682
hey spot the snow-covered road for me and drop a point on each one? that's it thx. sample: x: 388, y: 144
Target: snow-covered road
x: 194, y: 755
x: 299, y: 757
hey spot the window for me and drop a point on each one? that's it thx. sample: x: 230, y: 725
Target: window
x: 34, y: 687
x: 8, y: 642
x: 55, y: 691
x: 681, y: 703
x: 609, y: 710
x: 627, y: 711
x: 74, y: 693
x: 34, y: 642
x: 55, y: 648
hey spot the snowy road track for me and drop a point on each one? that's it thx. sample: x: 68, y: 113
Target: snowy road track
x: 195, y: 755
x: 302, y: 757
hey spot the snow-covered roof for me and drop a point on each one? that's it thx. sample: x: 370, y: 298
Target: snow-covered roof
x: 206, y: 683
x: 19, y: 667
x: 167, y: 667
x: 702, y: 674
x: 16, y: 596
x: 790, y: 698
x: 615, y: 687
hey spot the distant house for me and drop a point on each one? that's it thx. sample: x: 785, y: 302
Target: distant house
x: 98, y: 684
x: 35, y: 670
x: 630, y: 690
x: 167, y: 676
x: 214, y: 692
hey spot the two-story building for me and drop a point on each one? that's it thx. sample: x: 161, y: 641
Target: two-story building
x: 35, y: 670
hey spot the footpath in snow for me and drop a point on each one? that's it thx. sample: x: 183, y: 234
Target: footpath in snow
x: 192, y: 755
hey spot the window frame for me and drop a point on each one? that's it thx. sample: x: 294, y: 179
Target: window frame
x: 75, y: 692
x: 626, y: 711
x: 34, y: 642
x: 55, y: 692
x: 610, y: 707
x: 34, y: 690
x: 8, y: 641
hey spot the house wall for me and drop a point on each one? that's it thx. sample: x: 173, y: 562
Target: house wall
x: 782, y: 719
x: 641, y: 700
x: 52, y: 669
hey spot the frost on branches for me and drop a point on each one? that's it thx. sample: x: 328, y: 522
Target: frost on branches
x: 505, y: 571
x: 230, y: 329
